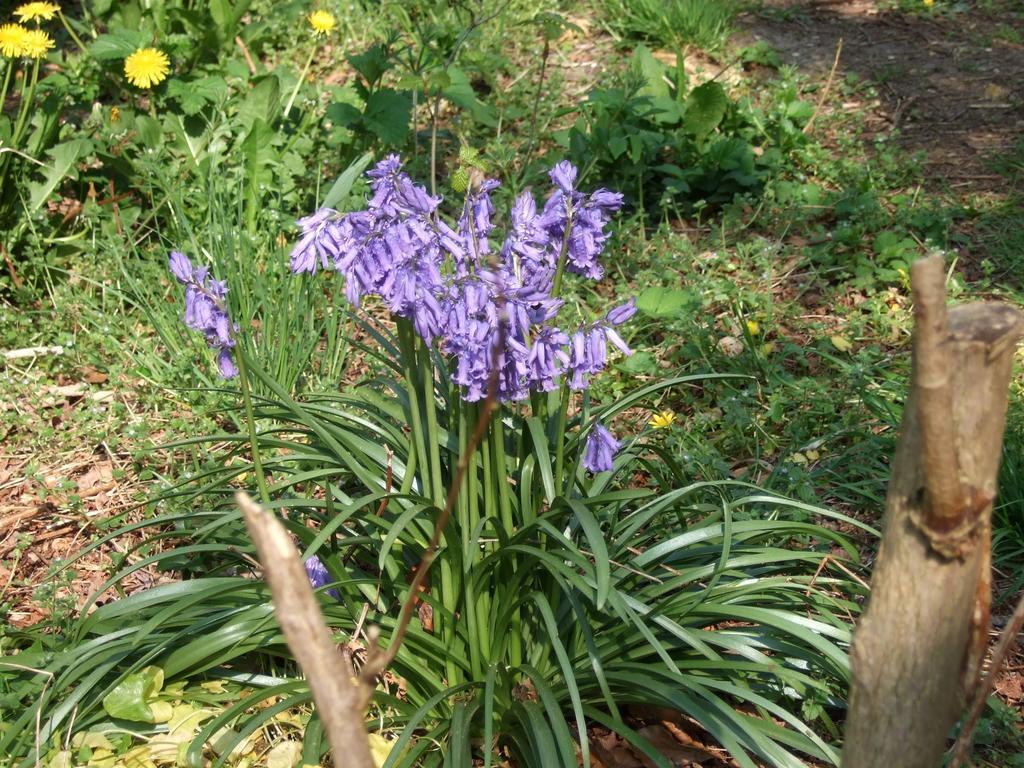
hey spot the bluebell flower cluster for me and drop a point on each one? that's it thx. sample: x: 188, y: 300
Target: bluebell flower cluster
x: 486, y: 306
x: 206, y: 309
x: 599, y: 453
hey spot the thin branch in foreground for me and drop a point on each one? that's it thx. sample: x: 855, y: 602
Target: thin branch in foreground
x: 339, y: 696
x: 981, y: 692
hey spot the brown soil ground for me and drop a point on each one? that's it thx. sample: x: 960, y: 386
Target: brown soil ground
x: 952, y: 88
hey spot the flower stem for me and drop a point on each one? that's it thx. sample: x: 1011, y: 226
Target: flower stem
x: 501, y: 474
x: 298, y: 83
x: 8, y: 69
x: 25, y: 106
x: 433, y: 433
x: 556, y: 285
x: 407, y: 344
x: 563, y: 413
x: 70, y: 31
x: 250, y: 423
x: 3, y: 100
x: 536, y: 102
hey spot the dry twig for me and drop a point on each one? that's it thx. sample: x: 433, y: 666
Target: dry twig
x: 827, y: 89
x: 981, y: 692
x: 339, y: 696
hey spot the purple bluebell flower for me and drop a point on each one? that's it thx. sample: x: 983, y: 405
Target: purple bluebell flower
x: 318, y: 242
x: 319, y: 576
x: 564, y: 176
x: 547, y: 358
x: 475, y: 223
x: 487, y: 311
x: 181, y: 267
x: 206, y: 309
x: 524, y: 253
x: 226, y: 364
x: 582, y: 219
x: 620, y: 314
x: 599, y: 454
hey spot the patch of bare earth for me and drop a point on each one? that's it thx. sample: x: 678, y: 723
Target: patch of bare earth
x: 953, y: 89
x: 55, y: 501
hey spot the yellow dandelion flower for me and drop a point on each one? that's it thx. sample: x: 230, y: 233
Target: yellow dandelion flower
x: 322, y: 22
x: 147, y: 67
x: 753, y: 327
x: 12, y: 40
x: 36, y: 11
x: 36, y: 44
x: 115, y: 114
x: 662, y: 420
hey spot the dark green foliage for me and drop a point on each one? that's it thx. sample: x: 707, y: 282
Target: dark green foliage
x: 669, y: 149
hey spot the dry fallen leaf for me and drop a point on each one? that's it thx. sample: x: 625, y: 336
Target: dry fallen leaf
x: 285, y: 754
x: 93, y: 376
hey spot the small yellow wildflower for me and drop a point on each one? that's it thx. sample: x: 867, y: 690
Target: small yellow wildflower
x: 753, y: 327
x: 36, y: 44
x: 147, y: 67
x: 36, y: 11
x: 662, y: 420
x: 929, y: 3
x: 322, y: 22
x: 115, y: 114
x: 12, y: 40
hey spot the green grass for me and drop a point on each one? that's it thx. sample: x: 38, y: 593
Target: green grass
x: 807, y: 279
x: 674, y: 24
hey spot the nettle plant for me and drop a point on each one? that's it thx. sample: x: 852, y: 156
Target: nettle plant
x: 578, y: 580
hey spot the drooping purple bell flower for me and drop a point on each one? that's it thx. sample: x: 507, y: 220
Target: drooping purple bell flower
x: 487, y: 311
x: 599, y: 454
x: 319, y: 576
x: 206, y: 309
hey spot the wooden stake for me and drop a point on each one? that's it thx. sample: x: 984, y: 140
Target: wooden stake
x: 919, y: 644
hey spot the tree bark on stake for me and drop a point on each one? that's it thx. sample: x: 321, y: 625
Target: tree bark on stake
x: 918, y: 646
x: 339, y: 696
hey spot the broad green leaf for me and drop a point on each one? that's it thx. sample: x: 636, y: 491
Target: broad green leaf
x: 193, y: 95
x: 130, y: 699
x: 150, y: 132
x: 343, y: 185
x: 387, y: 115
x: 262, y: 101
x: 664, y: 302
x: 705, y: 108
x: 259, y: 153
x: 226, y: 15
x: 343, y: 113
x: 460, y: 91
x: 652, y: 71
x: 119, y: 45
x: 372, y: 63
x: 65, y: 156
